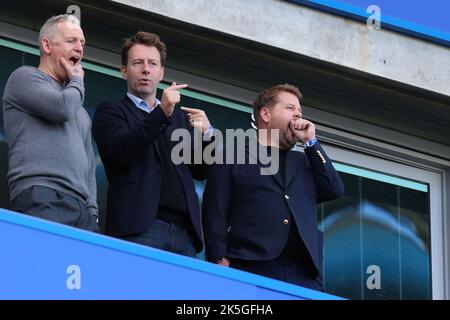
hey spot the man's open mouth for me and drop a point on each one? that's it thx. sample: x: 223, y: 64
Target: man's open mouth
x: 74, y: 60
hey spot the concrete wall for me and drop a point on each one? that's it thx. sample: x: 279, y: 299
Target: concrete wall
x: 318, y: 35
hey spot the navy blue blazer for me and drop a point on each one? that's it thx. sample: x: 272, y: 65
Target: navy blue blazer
x: 247, y: 215
x: 125, y: 138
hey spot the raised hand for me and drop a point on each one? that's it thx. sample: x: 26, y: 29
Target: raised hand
x: 72, y: 69
x: 197, y: 118
x: 170, y: 97
x: 303, y: 129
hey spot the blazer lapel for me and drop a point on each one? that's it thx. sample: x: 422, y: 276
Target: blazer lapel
x: 292, y: 165
x: 253, y: 154
x: 168, y: 134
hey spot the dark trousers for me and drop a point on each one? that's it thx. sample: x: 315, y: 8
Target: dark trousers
x: 165, y: 236
x: 283, y: 270
x: 50, y: 204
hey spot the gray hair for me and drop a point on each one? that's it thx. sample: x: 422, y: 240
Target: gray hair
x: 48, y: 30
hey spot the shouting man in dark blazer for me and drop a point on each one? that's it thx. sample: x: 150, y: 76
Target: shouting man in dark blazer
x: 151, y: 200
x: 267, y: 224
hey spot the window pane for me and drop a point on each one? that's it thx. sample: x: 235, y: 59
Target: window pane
x: 377, y: 241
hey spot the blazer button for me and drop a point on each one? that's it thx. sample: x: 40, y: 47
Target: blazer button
x: 286, y: 197
x: 285, y: 221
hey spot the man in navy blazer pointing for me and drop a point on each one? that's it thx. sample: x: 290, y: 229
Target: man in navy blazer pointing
x: 267, y: 224
x: 151, y: 200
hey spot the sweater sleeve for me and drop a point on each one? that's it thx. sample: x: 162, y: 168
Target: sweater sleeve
x: 35, y: 94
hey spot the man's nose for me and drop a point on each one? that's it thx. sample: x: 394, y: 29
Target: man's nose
x: 297, y: 114
x: 79, y: 47
x: 145, y: 67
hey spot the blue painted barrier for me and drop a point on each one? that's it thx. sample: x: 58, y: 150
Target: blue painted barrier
x: 44, y: 260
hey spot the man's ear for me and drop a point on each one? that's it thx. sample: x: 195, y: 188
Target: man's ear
x: 46, y: 45
x: 265, y: 115
x: 123, y: 70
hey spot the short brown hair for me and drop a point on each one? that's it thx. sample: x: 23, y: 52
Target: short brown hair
x: 269, y: 97
x: 147, y: 39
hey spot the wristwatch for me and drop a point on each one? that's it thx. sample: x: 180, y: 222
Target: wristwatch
x: 310, y: 142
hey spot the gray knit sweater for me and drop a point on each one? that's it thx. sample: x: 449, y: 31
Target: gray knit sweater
x: 49, y: 135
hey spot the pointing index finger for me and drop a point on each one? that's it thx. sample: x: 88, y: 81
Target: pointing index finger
x: 175, y: 86
x: 190, y: 110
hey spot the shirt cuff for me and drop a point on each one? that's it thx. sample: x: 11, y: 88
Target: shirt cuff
x: 208, y: 134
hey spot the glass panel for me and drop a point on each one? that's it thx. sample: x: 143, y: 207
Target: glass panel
x: 377, y: 242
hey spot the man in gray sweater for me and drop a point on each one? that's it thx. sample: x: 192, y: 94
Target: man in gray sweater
x: 51, y: 172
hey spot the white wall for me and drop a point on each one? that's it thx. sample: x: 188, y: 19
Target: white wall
x: 318, y: 35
